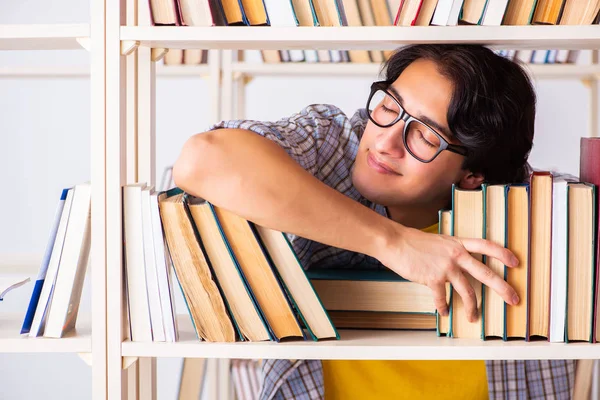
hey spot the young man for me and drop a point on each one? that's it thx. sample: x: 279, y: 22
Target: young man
x: 367, y: 190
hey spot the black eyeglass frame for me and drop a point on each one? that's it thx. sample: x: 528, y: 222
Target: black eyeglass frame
x: 407, y: 118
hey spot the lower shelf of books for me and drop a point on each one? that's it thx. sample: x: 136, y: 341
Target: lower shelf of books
x: 365, y: 345
x: 11, y: 341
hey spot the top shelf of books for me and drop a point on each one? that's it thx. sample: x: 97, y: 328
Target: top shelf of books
x: 43, y: 37
x: 365, y: 37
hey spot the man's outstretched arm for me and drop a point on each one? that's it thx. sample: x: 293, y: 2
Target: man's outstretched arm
x: 255, y: 178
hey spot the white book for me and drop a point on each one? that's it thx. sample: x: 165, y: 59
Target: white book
x: 41, y: 311
x: 558, y: 268
x: 135, y: 270
x: 156, y: 317
x: 74, y: 259
x: 454, y: 13
x: 494, y: 12
x: 442, y: 12
x: 162, y: 271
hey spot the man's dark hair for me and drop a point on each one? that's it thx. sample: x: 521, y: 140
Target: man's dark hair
x: 492, y: 110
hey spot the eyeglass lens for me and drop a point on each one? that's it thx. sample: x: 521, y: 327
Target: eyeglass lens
x: 420, y: 140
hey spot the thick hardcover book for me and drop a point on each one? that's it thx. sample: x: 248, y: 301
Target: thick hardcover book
x: 589, y: 171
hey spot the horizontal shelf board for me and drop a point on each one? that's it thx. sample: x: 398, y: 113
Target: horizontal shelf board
x: 42, y: 37
x: 366, y: 345
x: 11, y: 341
x: 84, y: 72
x: 548, y: 71
x: 378, y: 37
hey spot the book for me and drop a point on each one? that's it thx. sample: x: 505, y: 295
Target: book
x: 558, y: 262
x: 468, y: 210
x: 443, y: 322
x: 260, y: 276
x: 518, y: 222
x: 494, y: 309
x: 589, y: 171
x: 361, y: 289
x: 246, y: 311
x: 66, y: 294
x: 540, y: 253
x: 41, y: 276
x: 205, y: 303
x: 41, y: 311
x: 11, y: 282
x: 163, y: 270
x: 289, y: 269
x: 383, y: 320
x: 581, y: 268
x: 140, y: 326
x: 150, y: 269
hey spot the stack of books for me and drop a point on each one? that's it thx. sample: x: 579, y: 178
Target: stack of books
x: 54, y: 304
x: 550, y: 224
x: 240, y: 281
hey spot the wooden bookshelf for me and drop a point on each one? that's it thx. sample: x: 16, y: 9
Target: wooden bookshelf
x: 43, y: 37
x: 373, y: 38
x: 78, y: 341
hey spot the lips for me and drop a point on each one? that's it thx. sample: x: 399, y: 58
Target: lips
x: 379, y: 167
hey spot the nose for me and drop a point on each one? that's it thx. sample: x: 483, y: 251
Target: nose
x: 389, y: 140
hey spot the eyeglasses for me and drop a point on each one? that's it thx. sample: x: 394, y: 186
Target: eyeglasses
x: 421, y: 140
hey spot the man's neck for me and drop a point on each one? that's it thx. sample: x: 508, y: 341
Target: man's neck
x: 415, y: 217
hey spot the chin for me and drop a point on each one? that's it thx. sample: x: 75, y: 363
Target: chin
x: 373, y: 189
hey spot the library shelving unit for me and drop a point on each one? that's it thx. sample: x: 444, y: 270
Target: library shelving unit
x: 353, y: 344
x: 90, y: 336
x: 124, y: 49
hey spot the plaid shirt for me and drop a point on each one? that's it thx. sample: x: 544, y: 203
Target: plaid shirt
x: 324, y: 142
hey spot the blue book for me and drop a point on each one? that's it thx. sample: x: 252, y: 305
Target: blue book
x: 39, y: 283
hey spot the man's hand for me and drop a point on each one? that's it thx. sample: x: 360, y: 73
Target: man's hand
x: 433, y: 260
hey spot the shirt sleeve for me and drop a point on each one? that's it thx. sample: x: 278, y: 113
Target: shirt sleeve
x: 311, y: 137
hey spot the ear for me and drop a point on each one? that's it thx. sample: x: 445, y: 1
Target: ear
x: 471, y: 180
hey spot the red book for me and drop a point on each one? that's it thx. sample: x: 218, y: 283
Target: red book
x: 589, y: 171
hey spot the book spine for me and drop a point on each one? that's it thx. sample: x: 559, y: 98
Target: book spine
x: 589, y: 171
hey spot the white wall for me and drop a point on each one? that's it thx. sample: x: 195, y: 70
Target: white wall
x: 44, y: 146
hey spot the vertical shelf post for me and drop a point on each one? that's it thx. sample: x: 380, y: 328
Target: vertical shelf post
x: 98, y: 201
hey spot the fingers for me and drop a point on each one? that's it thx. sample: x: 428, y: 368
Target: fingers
x: 491, y: 249
x: 439, y: 298
x: 467, y: 294
x: 485, y: 275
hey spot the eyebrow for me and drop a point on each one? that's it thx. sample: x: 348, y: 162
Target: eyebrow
x: 421, y: 117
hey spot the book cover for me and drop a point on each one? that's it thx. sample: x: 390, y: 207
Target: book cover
x: 247, y: 287
x: 210, y: 267
x: 39, y: 282
x: 258, y: 231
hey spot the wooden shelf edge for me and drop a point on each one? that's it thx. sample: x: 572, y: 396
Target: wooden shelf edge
x: 11, y: 341
x: 373, y: 38
x: 371, y: 345
x: 43, y: 36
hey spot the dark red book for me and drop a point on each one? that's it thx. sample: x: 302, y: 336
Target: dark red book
x: 589, y: 171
